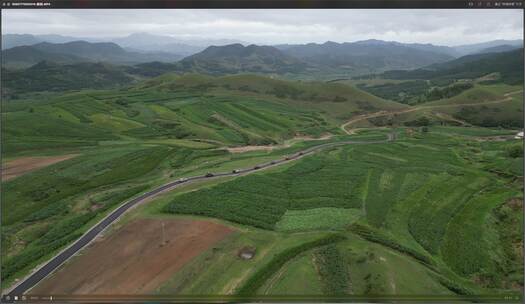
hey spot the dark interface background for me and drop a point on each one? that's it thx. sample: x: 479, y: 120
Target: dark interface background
x: 270, y: 151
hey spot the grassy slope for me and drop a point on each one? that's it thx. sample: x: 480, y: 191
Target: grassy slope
x: 233, y: 110
x: 495, y: 105
x: 156, y: 126
x: 412, y: 196
x: 161, y: 133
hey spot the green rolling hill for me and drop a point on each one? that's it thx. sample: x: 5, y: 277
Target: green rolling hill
x: 78, y: 51
x: 52, y: 77
x: 432, y: 211
x: 233, y: 110
x: 507, y: 64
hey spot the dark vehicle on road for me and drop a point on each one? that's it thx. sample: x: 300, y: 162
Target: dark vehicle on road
x: 209, y: 175
x: 235, y: 171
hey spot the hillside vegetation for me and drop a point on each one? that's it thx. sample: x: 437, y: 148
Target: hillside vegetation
x: 413, y: 196
x: 76, y: 52
x: 422, y: 194
x: 48, y: 76
x: 507, y: 64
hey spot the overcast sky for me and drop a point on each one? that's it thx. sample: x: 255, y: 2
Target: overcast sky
x: 444, y: 27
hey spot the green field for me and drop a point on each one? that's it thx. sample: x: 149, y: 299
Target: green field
x: 436, y: 211
x: 430, y: 203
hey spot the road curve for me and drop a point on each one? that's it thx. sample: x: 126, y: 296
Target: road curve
x: 47, y: 268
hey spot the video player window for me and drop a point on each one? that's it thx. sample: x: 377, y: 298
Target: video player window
x: 262, y: 151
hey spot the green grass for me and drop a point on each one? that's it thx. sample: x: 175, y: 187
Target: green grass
x: 428, y: 221
x: 425, y: 203
x: 477, y: 94
x: 376, y: 270
x: 220, y: 271
x: 296, y: 188
x: 317, y: 219
x: 253, y: 284
x: 299, y: 277
x: 229, y: 116
x: 56, y: 199
x: 467, y: 249
x: 114, y: 123
x: 405, y: 196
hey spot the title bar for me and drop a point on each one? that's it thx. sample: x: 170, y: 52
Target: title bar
x: 264, y: 4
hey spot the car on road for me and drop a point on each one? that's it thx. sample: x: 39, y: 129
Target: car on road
x: 257, y: 167
x: 235, y: 171
x: 209, y: 174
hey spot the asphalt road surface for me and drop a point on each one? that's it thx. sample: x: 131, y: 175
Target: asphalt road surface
x: 39, y: 274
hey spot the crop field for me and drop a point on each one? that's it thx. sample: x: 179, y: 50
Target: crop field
x: 436, y: 210
x: 430, y: 203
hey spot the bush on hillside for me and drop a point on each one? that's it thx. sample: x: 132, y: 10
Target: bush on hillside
x: 515, y: 151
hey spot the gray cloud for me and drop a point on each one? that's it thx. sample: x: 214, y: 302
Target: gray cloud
x: 445, y: 27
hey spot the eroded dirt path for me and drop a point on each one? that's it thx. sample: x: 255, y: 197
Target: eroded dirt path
x: 345, y: 125
x: 286, y: 144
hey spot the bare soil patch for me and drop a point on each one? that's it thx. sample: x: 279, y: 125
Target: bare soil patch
x: 287, y: 144
x: 23, y: 165
x: 250, y: 148
x: 515, y: 203
x: 136, y: 259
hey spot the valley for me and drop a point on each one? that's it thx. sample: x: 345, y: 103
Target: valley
x: 285, y: 175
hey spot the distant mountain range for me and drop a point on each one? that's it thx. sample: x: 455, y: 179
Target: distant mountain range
x: 499, y: 48
x: 509, y: 66
x: 480, y: 47
x: 324, y: 61
x: 365, y: 56
x: 78, y: 51
x: 145, y: 42
x: 72, y: 74
x: 236, y: 58
x: 138, y: 42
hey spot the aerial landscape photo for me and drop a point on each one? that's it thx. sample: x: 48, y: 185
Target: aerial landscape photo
x: 271, y: 153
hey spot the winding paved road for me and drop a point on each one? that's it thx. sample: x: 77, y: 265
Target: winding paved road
x: 44, y: 270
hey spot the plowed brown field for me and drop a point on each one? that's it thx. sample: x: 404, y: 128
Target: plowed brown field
x: 22, y: 165
x: 134, y: 259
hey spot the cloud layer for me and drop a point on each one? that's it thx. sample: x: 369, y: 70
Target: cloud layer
x: 444, y: 27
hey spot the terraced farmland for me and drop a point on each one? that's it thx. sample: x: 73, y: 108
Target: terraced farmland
x: 427, y: 203
x: 336, y: 222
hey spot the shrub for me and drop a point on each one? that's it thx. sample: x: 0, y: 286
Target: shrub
x: 515, y: 151
x: 332, y: 270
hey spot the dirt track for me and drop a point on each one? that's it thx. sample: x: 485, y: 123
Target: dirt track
x: 287, y: 144
x: 417, y: 108
x: 24, y: 165
x: 134, y: 259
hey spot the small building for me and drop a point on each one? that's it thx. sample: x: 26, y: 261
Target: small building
x: 246, y: 253
x: 519, y: 135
